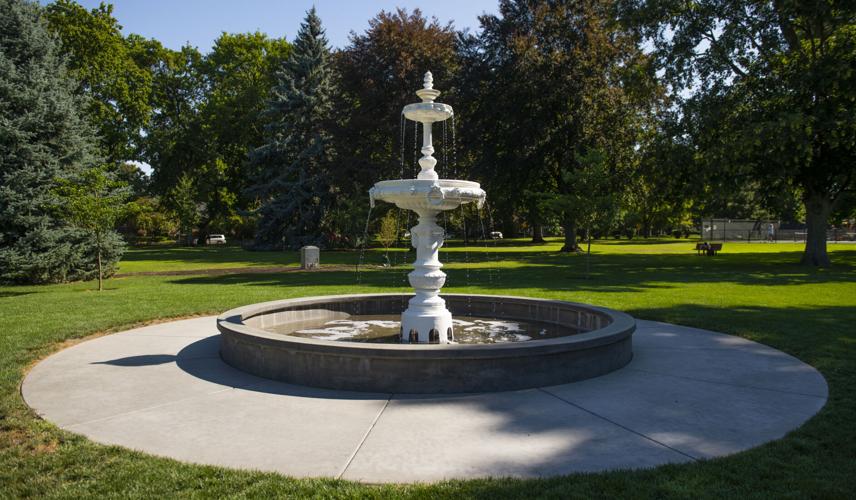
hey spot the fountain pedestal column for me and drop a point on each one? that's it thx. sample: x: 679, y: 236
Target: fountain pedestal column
x: 426, y: 318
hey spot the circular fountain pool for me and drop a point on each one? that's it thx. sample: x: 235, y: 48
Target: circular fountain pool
x: 293, y: 341
x: 386, y: 329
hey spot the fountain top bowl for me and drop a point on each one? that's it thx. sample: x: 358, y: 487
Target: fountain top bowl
x: 428, y: 112
x: 427, y: 194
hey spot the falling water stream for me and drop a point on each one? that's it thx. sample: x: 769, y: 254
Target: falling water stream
x: 363, y: 245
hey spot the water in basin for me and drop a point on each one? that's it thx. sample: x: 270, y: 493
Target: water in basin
x: 385, y: 329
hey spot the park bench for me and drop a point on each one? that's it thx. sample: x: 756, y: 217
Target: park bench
x: 708, y: 248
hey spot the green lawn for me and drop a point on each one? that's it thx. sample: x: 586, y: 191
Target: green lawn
x: 751, y: 290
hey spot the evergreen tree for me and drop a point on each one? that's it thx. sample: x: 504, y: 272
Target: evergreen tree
x: 292, y: 181
x: 42, y: 139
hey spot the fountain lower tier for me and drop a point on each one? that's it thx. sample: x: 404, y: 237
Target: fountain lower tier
x: 426, y: 319
x: 427, y: 194
x: 603, y: 344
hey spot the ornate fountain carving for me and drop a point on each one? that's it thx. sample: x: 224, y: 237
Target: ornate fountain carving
x: 426, y: 318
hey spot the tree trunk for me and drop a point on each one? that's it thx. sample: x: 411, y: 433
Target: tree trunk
x: 588, y: 254
x: 100, y: 273
x: 570, y: 228
x: 537, y: 233
x: 817, y: 209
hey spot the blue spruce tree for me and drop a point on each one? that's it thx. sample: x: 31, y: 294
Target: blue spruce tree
x: 43, y: 141
x: 293, y: 167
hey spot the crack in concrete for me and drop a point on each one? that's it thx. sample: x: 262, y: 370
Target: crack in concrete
x: 613, y: 422
x: 365, y: 437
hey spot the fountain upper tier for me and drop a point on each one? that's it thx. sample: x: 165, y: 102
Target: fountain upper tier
x: 428, y: 112
x: 427, y: 192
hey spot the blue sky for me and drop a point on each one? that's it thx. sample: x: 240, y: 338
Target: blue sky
x: 175, y: 22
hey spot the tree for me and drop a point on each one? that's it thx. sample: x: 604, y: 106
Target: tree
x: 387, y: 233
x: 379, y: 71
x: 577, y: 86
x: 593, y: 199
x: 110, y: 73
x: 95, y: 202
x: 239, y: 73
x: 183, y: 201
x: 293, y: 183
x: 176, y: 142
x: 207, y: 117
x: 43, y: 138
x: 149, y: 220
x: 773, y: 93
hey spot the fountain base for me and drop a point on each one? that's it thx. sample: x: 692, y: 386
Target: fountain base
x: 426, y: 320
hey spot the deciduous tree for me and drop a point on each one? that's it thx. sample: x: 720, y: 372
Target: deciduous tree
x: 95, y: 202
x: 111, y: 72
x: 559, y: 83
x: 773, y: 92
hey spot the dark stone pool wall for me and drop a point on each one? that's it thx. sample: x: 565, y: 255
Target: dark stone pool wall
x: 605, y: 346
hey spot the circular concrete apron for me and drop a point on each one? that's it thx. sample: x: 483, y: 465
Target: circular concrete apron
x: 688, y: 394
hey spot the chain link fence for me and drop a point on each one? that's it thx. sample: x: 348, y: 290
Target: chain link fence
x: 764, y: 230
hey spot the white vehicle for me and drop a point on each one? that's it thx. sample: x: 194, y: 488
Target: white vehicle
x: 496, y: 235
x: 215, y: 239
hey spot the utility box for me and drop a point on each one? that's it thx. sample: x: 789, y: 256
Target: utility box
x: 310, y: 257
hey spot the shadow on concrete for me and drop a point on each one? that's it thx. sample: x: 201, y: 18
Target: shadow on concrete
x: 143, y: 360
x: 201, y: 359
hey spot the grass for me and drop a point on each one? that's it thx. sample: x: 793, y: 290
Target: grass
x: 751, y: 290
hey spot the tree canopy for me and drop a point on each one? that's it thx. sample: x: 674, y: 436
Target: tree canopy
x: 619, y: 117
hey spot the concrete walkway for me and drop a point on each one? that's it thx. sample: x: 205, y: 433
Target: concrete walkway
x: 688, y: 394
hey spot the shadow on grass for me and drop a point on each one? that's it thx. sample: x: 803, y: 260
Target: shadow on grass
x: 822, y: 336
x: 220, y: 256
x: 551, y: 272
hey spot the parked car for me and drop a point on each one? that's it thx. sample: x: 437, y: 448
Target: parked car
x: 496, y: 235
x: 215, y: 239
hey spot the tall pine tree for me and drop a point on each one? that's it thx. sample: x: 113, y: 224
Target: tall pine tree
x: 293, y: 167
x: 43, y: 139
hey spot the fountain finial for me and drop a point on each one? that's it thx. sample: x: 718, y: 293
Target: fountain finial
x: 427, y: 92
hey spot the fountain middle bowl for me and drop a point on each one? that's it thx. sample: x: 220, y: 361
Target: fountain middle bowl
x: 426, y: 194
x: 605, y: 346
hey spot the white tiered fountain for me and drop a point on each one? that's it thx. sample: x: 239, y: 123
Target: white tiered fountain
x: 426, y: 319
